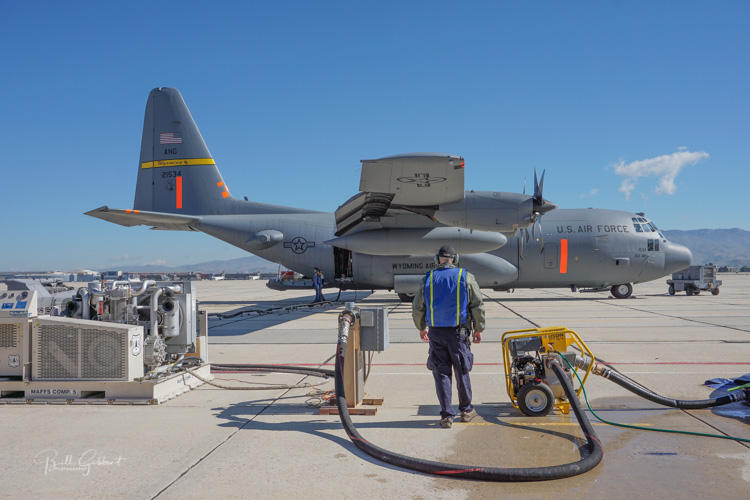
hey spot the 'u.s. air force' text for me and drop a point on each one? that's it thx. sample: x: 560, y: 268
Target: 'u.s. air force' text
x: 601, y: 228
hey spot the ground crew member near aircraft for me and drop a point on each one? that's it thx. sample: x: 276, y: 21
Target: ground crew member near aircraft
x: 446, y: 306
x: 318, y: 285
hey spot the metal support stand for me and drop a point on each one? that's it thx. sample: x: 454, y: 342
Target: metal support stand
x: 354, y: 368
x: 354, y: 378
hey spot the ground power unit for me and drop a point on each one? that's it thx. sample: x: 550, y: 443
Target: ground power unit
x: 65, y: 349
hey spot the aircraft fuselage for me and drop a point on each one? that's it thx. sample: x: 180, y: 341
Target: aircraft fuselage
x: 581, y: 248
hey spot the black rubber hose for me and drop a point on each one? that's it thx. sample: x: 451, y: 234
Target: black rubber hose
x: 301, y: 370
x: 593, y: 448
x: 638, y: 389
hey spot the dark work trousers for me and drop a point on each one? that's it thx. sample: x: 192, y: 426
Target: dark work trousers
x: 448, y: 353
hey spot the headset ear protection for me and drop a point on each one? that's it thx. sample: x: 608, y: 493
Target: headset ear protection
x: 437, y: 259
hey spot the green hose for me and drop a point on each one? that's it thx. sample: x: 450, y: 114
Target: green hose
x: 655, y: 429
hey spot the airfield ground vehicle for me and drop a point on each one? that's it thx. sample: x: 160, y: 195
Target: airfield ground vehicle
x: 692, y: 280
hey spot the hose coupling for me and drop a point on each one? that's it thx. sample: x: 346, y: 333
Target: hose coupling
x: 346, y: 319
x: 583, y: 363
x: 601, y: 370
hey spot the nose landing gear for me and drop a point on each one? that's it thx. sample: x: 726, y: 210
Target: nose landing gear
x: 622, y: 291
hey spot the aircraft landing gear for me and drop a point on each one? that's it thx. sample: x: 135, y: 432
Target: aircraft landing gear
x: 622, y: 291
x: 406, y: 297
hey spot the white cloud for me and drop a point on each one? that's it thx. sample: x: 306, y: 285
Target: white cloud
x: 665, y: 168
x: 591, y: 193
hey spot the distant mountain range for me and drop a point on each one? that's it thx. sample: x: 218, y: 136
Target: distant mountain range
x: 250, y: 264
x: 723, y: 247
x: 728, y: 247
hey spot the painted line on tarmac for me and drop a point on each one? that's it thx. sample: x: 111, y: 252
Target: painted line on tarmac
x: 654, y: 363
x: 546, y: 424
x: 502, y: 374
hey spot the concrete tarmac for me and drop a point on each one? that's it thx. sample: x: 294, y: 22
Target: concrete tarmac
x: 216, y: 443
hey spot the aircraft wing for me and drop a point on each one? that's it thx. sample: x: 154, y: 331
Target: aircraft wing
x: 158, y: 220
x: 394, y: 190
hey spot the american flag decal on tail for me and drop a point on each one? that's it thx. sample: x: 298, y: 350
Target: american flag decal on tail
x: 170, y: 138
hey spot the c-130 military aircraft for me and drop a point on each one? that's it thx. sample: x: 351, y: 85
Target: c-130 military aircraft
x: 385, y: 236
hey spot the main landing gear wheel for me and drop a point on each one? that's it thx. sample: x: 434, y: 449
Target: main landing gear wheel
x: 535, y: 400
x: 406, y: 297
x: 671, y: 289
x: 622, y: 291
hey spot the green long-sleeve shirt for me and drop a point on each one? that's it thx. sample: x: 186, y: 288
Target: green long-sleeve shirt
x: 476, y: 306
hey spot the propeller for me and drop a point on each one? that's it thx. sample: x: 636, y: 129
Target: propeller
x: 540, y: 206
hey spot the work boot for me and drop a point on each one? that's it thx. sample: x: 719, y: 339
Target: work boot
x: 446, y: 423
x: 468, y: 416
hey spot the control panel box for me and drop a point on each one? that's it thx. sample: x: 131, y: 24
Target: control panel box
x: 373, y: 329
x: 17, y: 308
x: 18, y: 304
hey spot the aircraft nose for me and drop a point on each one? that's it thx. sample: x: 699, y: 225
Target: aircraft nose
x: 677, y: 257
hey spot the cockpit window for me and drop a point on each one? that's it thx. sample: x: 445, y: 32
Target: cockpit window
x: 653, y: 245
x: 644, y: 226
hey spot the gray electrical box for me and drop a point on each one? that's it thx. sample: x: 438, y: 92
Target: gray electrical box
x: 373, y: 329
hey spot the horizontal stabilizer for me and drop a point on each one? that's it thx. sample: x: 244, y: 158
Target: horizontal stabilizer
x: 158, y: 220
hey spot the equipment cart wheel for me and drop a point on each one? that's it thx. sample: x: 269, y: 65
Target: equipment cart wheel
x: 622, y: 291
x: 715, y: 291
x: 535, y: 400
x: 406, y: 297
x: 689, y: 290
x: 671, y: 289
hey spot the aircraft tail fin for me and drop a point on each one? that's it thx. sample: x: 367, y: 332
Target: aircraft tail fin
x: 176, y: 173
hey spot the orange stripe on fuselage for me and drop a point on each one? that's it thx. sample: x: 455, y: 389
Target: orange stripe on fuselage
x: 178, y: 204
x: 563, y: 256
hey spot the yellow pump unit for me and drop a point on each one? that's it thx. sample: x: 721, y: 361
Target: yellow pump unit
x: 532, y: 386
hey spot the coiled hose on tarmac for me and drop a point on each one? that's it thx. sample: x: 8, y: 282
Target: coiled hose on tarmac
x: 592, y: 450
x: 645, y: 393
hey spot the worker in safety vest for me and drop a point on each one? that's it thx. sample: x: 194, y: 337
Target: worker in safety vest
x: 447, y: 307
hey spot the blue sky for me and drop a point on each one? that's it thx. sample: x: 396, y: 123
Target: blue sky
x: 638, y: 106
